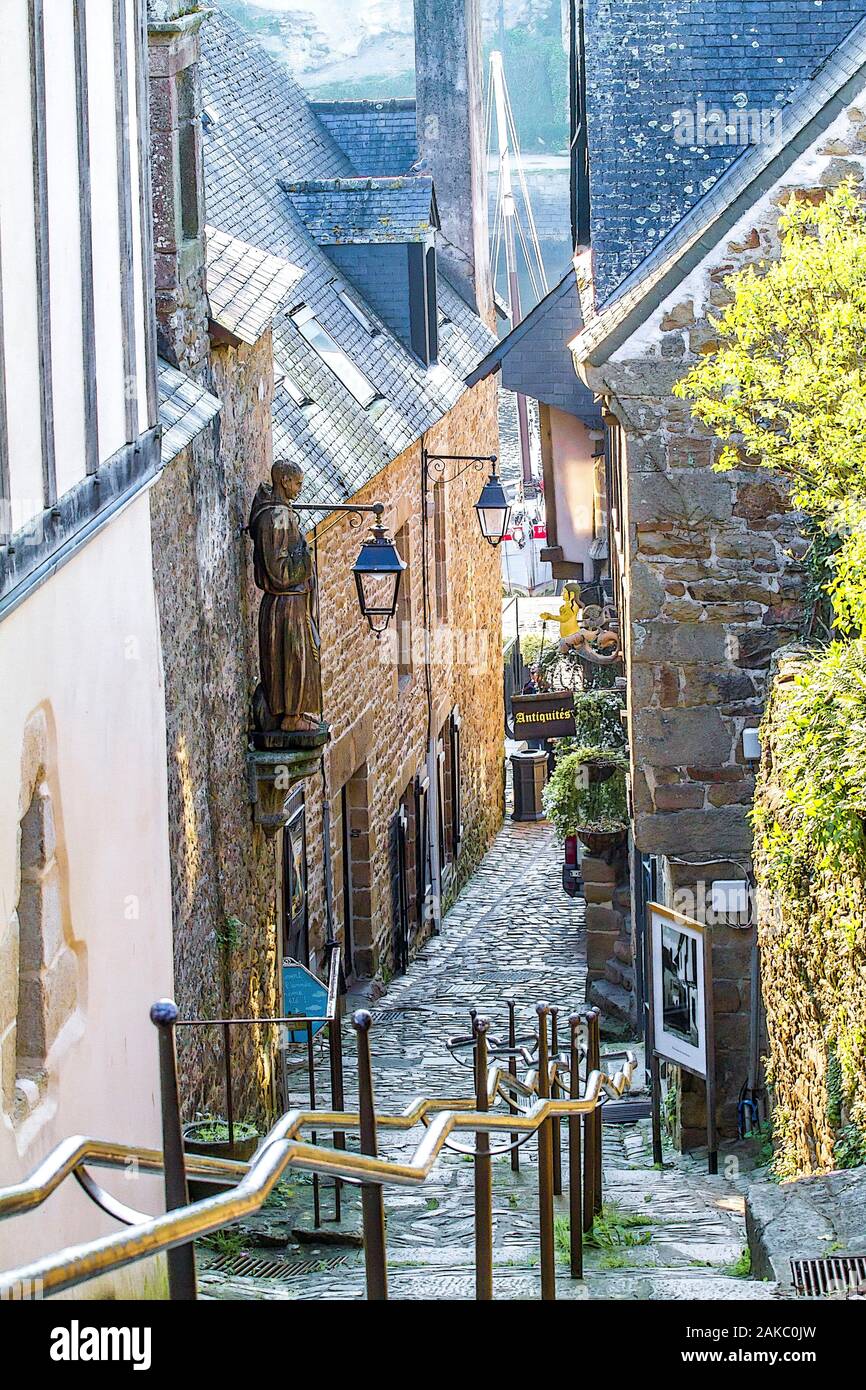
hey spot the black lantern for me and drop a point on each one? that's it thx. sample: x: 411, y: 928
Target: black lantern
x: 377, y: 572
x: 493, y: 509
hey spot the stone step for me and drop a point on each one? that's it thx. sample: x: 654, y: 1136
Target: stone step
x: 614, y: 1001
x: 622, y: 950
x: 619, y: 974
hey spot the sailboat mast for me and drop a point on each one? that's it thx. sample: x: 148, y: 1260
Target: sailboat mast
x: 505, y: 194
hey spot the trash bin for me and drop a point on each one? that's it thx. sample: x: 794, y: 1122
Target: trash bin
x: 529, y: 774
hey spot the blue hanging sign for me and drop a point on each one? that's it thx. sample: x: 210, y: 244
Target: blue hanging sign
x: 304, y: 996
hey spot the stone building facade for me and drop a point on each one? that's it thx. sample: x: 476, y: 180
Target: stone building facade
x: 707, y: 566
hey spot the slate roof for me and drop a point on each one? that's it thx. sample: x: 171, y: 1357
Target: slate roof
x: 811, y: 110
x: 245, y: 286
x: 534, y: 357
x: 337, y: 211
x: 647, y: 59
x: 260, y: 134
x: 184, y: 409
x: 377, y: 137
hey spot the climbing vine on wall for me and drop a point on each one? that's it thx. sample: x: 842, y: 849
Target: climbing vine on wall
x: 810, y: 859
x: 786, y: 391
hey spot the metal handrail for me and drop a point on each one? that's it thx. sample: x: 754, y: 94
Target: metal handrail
x: 282, y: 1148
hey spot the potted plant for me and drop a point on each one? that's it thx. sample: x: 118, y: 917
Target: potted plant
x: 209, y: 1135
x: 586, y: 797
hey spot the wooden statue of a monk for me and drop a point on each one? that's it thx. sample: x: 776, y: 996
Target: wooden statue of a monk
x: 290, y: 694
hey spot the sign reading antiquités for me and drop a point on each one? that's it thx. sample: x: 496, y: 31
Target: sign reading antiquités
x: 549, y: 715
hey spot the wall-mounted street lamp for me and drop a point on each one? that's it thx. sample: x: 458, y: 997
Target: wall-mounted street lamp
x: 377, y: 572
x: 492, y: 508
x: 378, y: 568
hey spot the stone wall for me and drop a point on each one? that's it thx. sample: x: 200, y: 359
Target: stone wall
x: 378, y: 716
x: 222, y: 865
x: 712, y: 586
x: 450, y: 127
x: 178, y: 199
x: 609, y: 944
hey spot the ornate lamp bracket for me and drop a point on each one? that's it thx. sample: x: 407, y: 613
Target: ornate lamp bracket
x: 433, y: 465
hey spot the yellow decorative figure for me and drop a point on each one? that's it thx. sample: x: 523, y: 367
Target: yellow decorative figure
x: 568, y: 616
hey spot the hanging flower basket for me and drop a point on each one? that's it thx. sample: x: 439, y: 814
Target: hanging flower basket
x: 601, y: 769
x: 602, y: 841
x: 586, y: 796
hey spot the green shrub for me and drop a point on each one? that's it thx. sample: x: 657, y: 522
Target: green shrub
x: 849, y: 1150
x: 810, y: 864
x: 571, y: 804
x: 819, y: 767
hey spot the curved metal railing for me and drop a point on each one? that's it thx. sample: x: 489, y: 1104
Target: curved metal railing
x: 543, y: 1086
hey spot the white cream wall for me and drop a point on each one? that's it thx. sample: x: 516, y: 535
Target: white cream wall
x: 18, y: 253
x: 18, y: 264
x: 85, y: 649
x: 574, y: 486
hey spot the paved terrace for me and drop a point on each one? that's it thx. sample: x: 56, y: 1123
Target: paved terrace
x: 513, y: 933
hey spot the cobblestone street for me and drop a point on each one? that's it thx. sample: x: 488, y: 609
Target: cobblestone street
x: 513, y: 933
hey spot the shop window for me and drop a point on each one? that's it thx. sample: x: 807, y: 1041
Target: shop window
x: 455, y: 801
x: 295, y: 920
x: 423, y: 888
x: 448, y: 788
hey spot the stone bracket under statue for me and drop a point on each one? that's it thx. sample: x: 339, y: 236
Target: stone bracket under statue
x: 288, y: 736
x: 273, y: 771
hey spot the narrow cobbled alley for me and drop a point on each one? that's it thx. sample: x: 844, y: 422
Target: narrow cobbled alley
x: 513, y: 934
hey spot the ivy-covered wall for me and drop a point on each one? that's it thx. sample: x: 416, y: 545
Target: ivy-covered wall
x: 810, y: 860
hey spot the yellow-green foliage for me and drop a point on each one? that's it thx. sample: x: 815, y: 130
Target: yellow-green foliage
x: 786, y: 388
x: 810, y: 861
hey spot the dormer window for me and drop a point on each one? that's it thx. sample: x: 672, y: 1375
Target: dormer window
x: 381, y: 233
x: 424, y: 326
x: 334, y: 357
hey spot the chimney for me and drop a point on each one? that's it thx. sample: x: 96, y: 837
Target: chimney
x: 177, y: 172
x: 450, y: 116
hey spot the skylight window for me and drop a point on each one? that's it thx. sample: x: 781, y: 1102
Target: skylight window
x: 334, y: 357
x: 355, y: 309
x: 292, y: 389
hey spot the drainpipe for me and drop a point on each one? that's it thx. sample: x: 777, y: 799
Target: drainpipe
x: 432, y: 767
x: 579, y: 144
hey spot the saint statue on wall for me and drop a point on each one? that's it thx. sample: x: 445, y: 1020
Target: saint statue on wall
x: 289, y: 697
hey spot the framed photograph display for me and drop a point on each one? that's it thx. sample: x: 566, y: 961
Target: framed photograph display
x: 679, y: 988
x: 681, y: 1003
